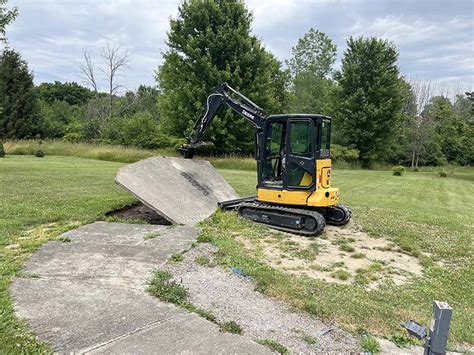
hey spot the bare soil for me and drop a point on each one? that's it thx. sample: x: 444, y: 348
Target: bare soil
x: 139, y: 211
x: 340, y: 255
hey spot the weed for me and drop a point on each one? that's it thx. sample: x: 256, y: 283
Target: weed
x: 28, y: 275
x: 151, y: 235
x: 370, y: 345
x: 274, y: 345
x: 358, y: 256
x: 347, y: 248
x: 64, y: 239
x: 162, y: 287
x: 202, y: 260
x: 176, y: 258
x: 230, y: 327
x: 402, y: 341
x: 309, y: 339
x: 341, y: 274
x: 201, y: 312
x: 442, y: 174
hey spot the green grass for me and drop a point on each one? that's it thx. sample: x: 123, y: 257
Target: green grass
x: 42, y: 198
x: 39, y: 200
x: 418, y: 212
x: 310, y: 339
x: 370, y: 345
x: 274, y: 345
x: 231, y: 327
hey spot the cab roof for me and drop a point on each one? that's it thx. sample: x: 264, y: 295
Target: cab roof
x: 299, y: 115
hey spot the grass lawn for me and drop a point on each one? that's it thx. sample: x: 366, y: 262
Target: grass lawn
x: 418, y: 212
x: 41, y: 198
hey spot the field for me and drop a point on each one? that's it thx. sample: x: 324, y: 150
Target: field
x: 426, y: 216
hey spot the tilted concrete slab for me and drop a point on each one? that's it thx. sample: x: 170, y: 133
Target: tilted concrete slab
x: 183, y: 191
x: 88, y: 295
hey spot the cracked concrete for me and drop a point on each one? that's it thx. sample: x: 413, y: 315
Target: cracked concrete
x: 88, y: 295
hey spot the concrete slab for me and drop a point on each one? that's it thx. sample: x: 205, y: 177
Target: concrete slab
x: 179, y: 335
x: 71, y: 314
x: 181, y: 190
x: 89, y: 294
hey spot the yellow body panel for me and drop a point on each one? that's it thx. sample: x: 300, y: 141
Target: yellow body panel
x: 324, y: 195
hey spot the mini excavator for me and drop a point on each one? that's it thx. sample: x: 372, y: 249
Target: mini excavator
x: 292, y: 151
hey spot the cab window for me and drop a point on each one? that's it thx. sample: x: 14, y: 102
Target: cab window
x: 325, y: 139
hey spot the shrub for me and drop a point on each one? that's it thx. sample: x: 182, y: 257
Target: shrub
x: 398, y: 170
x: 39, y: 153
x: 2, y: 150
x: 341, y: 153
x: 442, y: 174
x: 73, y: 137
x: 416, y: 169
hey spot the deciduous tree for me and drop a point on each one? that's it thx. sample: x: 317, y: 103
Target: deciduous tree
x: 311, y: 67
x: 6, y: 17
x: 210, y: 42
x: 370, y: 96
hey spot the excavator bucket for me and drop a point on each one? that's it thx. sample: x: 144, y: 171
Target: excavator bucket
x: 181, y: 190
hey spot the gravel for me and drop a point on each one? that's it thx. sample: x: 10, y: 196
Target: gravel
x: 231, y: 297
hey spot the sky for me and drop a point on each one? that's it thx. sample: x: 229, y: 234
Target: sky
x: 435, y: 38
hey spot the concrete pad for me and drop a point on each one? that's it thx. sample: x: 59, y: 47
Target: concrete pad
x: 71, y: 315
x: 89, y: 295
x: 183, y: 334
x: 181, y: 190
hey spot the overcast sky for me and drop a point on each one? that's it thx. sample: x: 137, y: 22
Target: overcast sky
x: 435, y: 38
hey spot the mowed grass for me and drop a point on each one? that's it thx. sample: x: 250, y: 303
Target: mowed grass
x: 425, y: 215
x: 39, y: 199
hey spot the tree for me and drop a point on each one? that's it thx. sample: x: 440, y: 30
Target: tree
x: 370, y: 96
x: 210, y: 42
x: 6, y: 17
x: 116, y: 60
x: 311, y: 68
x: 453, y: 132
x: 71, y: 93
x: 19, y: 112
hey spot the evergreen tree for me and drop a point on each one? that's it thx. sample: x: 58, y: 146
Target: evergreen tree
x: 2, y: 150
x: 370, y: 96
x: 210, y: 42
x: 19, y: 112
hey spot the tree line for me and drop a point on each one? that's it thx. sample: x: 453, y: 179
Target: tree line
x: 378, y: 115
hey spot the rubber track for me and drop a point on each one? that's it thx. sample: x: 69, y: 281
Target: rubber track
x: 347, y: 213
x: 321, y: 222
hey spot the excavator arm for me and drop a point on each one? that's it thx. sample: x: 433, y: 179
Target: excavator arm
x: 223, y: 95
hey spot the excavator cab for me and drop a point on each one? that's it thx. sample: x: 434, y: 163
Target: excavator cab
x: 294, y: 190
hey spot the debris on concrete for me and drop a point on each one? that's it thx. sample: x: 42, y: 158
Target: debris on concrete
x: 183, y: 191
x: 229, y: 297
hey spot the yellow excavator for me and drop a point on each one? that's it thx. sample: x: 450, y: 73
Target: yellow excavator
x: 292, y: 151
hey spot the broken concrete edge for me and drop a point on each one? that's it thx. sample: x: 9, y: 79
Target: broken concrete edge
x: 145, y: 203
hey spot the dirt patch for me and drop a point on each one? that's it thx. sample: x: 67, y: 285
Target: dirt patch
x: 231, y: 296
x: 139, y: 211
x: 341, y: 255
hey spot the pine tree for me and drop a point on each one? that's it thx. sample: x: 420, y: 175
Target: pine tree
x: 18, y: 108
x: 210, y: 42
x: 371, y: 96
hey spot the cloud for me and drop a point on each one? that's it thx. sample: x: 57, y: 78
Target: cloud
x: 435, y: 39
